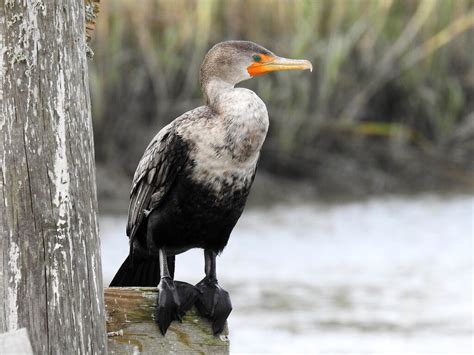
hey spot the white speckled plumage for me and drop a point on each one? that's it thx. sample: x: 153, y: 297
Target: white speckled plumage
x: 226, y: 144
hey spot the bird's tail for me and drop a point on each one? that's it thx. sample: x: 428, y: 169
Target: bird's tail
x: 141, y: 272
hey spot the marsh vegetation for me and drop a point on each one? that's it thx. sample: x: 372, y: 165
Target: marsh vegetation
x: 389, y: 106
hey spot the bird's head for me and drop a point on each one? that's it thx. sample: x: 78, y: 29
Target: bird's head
x: 236, y: 61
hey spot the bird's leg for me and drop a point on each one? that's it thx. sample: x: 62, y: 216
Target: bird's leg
x: 168, y: 299
x: 213, y: 301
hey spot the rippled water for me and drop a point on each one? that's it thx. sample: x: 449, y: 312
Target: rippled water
x: 386, y: 275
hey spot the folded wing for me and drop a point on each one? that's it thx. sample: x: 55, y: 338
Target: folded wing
x: 163, y: 159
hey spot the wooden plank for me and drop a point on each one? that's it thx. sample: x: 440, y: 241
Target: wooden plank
x: 132, y: 329
x: 15, y: 342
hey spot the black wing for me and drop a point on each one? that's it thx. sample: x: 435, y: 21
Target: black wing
x: 164, y: 157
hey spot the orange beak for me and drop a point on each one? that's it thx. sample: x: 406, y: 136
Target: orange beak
x: 269, y: 63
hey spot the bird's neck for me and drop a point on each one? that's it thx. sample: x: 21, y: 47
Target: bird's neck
x: 213, y: 88
x: 240, y: 124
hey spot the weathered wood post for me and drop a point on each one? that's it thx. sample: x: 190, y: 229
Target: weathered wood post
x: 50, y: 269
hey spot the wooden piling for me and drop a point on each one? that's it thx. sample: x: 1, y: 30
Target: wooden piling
x: 50, y: 267
x: 132, y: 329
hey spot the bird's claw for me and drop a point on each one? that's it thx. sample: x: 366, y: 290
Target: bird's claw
x: 213, y: 302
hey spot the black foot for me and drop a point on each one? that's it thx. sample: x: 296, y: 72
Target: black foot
x: 188, y: 295
x: 168, y: 308
x: 213, y: 303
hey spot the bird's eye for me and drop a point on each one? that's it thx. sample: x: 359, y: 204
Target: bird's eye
x: 257, y: 58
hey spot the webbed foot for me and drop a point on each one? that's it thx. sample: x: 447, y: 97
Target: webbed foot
x: 188, y: 295
x: 213, y: 302
x: 168, y: 308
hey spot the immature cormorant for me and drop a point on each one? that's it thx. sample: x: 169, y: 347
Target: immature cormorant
x: 193, y: 180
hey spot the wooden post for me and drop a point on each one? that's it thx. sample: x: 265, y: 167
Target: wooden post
x: 132, y: 329
x: 50, y: 270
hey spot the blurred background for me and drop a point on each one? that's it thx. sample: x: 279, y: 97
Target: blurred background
x: 358, y: 233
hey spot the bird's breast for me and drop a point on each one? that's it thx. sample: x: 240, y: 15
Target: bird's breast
x: 244, y: 125
x: 212, y: 166
x: 225, y: 148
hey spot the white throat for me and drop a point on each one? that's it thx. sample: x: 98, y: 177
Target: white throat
x: 214, y: 88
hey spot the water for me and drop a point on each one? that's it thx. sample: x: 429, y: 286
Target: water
x: 387, y: 275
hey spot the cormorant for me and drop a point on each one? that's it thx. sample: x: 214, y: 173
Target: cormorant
x: 192, y: 183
